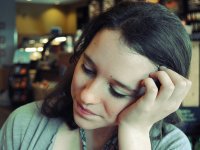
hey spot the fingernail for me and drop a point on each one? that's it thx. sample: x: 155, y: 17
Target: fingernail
x: 162, y: 68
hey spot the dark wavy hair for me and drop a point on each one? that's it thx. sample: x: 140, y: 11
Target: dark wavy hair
x: 150, y: 29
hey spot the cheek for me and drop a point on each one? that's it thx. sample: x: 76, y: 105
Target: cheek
x: 113, y: 109
x: 77, y: 82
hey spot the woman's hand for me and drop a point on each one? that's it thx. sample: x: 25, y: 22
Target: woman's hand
x: 156, y: 103
x: 137, y: 119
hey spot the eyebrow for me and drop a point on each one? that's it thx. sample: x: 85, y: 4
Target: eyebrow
x: 115, y: 81
x: 124, y: 86
x: 88, y: 59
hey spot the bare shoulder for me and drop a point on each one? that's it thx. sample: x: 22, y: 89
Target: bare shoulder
x: 66, y: 138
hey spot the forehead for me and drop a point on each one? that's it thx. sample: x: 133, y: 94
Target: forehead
x: 113, y: 58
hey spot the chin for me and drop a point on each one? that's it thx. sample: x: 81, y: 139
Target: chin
x: 91, y: 125
x: 86, y: 124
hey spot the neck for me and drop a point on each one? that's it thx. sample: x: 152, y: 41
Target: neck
x: 97, y: 138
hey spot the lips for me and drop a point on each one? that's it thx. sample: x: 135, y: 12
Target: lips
x: 81, y: 109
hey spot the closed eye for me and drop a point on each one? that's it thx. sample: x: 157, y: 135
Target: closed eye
x: 115, y: 93
x: 88, y: 70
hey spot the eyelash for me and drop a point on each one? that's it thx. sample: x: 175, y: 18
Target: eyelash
x: 93, y: 73
x: 114, y: 93
x: 88, y: 71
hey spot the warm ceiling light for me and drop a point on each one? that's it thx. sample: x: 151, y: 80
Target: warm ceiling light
x: 44, y: 40
x: 60, y: 39
x: 30, y: 49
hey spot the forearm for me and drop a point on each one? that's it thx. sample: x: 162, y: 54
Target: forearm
x: 133, y: 139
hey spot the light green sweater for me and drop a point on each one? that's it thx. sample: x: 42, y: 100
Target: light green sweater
x: 27, y: 129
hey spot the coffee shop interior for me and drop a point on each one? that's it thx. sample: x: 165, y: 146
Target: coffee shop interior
x: 37, y: 39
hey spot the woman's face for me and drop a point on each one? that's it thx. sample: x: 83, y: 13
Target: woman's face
x: 106, y: 76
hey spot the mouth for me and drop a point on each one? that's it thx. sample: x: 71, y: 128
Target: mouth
x: 82, y: 110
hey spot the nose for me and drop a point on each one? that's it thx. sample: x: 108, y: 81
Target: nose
x: 91, y: 92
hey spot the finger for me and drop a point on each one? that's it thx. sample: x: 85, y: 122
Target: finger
x: 166, y: 85
x: 151, y: 91
x: 188, y: 87
x: 182, y: 85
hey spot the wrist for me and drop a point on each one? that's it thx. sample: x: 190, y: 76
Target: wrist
x: 133, y: 137
x: 134, y: 127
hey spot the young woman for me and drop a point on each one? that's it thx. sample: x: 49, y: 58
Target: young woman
x: 128, y: 77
